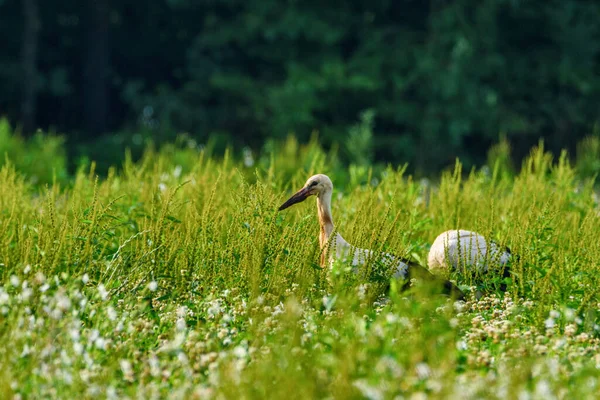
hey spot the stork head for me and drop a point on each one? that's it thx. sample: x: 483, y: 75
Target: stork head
x: 315, y: 185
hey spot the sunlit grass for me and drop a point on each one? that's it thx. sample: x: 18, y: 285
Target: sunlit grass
x: 176, y: 277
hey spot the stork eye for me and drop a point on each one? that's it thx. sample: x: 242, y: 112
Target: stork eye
x: 313, y: 183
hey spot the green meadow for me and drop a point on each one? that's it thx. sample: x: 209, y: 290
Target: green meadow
x: 174, y: 276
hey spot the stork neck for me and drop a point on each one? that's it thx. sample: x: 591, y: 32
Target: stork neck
x: 325, y: 218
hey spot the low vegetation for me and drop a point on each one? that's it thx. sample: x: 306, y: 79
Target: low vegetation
x: 175, y: 276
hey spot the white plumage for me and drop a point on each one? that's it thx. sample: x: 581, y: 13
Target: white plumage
x: 458, y: 249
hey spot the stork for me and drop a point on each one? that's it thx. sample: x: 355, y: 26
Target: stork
x: 466, y: 251
x: 337, y: 248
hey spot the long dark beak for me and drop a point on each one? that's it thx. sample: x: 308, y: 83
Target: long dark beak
x: 299, y: 197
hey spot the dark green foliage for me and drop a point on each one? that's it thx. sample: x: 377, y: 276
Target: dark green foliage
x: 442, y: 79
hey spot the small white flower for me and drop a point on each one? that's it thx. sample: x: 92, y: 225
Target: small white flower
x: 543, y: 390
x: 126, y: 367
x: 181, y: 311
x: 26, y: 351
x: 111, y: 393
x: 329, y: 301
x: 162, y: 187
x: 222, y: 333
x: 40, y: 278
x: 4, y: 297
x: 27, y: 269
x: 94, y: 335
x: 85, y: 279
x: 240, y: 352
x: 78, y: 348
x: 63, y: 302
x: 549, y: 323
x: 214, y: 308
x: 111, y: 313
x: 152, y: 286
x: 100, y: 343
x: 102, y: 291
x: 14, y: 280
x: 368, y: 391
x: 423, y: 371
x: 154, y: 366
x: 177, y: 171
x: 180, y: 324
x: 182, y: 358
x: 75, y: 334
x: 361, y: 291
x: 278, y: 309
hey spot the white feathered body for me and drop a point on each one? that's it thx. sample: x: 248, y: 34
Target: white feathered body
x: 357, y: 257
x: 461, y: 248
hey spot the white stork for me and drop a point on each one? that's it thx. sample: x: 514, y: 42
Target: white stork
x: 466, y: 251
x: 337, y: 248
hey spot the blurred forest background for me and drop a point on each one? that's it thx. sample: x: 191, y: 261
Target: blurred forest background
x: 394, y: 81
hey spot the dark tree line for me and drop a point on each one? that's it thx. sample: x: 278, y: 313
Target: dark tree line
x: 442, y: 78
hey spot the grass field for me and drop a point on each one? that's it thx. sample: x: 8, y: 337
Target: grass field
x: 177, y: 278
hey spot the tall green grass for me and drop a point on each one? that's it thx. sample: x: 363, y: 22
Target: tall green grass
x: 175, y: 277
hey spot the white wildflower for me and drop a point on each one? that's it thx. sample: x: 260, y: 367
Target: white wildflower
x: 368, y: 391
x: 361, y: 291
x: 14, y: 280
x: 543, y: 390
x: 4, y: 297
x: 94, y: 334
x: 78, y: 348
x: 214, y: 308
x: 74, y: 333
x: 100, y: 343
x: 278, y: 309
x: 111, y: 313
x: 569, y: 314
x: 154, y: 366
x: 180, y: 324
x: 26, y: 351
x: 182, y: 311
x: 182, y: 358
x: 63, y: 302
x: 240, y: 352
x: 177, y: 171
x: 423, y: 370
x: 40, y: 277
x: 126, y: 368
x: 152, y: 286
x: 102, y: 291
